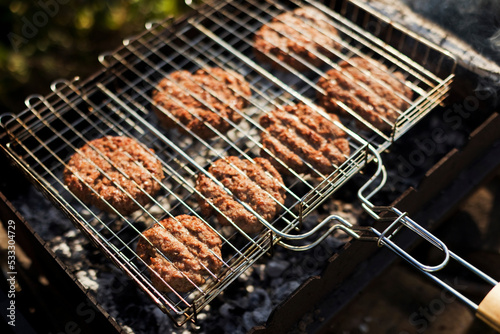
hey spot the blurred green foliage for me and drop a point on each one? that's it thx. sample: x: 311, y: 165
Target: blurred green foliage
x: 44, y: 40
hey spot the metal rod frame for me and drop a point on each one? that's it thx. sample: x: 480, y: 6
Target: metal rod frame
x: 117, y: 101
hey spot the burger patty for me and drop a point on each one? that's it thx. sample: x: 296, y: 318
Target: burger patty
x: 299, y: 136
x: 209, y: 96
x: 368, y: 88
x: 296, y: 36
x: 180, y: 252
x: 117, y: 170
x: 256, y: 183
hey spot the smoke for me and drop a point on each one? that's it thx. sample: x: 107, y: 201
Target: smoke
x: 495, y: 41
x: 475, y: 21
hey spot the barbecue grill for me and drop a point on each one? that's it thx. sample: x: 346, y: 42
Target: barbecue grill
x: 117, y: 101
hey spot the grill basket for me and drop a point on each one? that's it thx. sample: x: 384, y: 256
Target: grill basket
x: 118, y: 100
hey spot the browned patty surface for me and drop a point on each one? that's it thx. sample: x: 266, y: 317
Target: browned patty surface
x: 257, y: 184
x: 297, y: 135
x: 301, y: 33
x: 181, y: 252
x: 124, y: 162
x: 368, y: 88
x: 209, y: 96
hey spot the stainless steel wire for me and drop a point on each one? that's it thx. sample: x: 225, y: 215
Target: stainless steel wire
x: 118, y: 101
x: 399, y: 220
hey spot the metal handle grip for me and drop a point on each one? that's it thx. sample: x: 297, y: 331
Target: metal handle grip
x: 489, y: 309
x: 384, y: 239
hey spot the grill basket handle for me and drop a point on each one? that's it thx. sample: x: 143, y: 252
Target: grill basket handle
x: 489, y: 309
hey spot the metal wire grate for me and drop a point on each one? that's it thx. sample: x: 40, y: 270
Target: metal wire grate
x: 43, y: 152
x: 118, y: 101
x: 428, y: 71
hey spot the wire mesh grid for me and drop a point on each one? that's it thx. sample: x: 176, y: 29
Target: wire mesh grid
x: 118, y: 102
x: 156, y: 54
x: 43, y: 151
x: 428, y: 70
x: 56, y: 126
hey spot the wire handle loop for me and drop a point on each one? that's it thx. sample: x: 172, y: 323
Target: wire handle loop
x: 380, y: 175
x: 54, y: 86
x: 4, y: 121
x: 103, y: 59
x: 400, y: 220
x: 384, y: 239
x: 28, y: 100
x: 342, y: 225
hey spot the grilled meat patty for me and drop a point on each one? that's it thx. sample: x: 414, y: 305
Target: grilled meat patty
x: 210, y: 96
x: 368, y: 88
x: 256, y: 183
x: 117, y: 170
x: 180, y: 253
x: 301, y: 139
x: 296, y: 36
